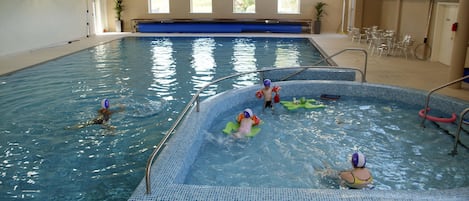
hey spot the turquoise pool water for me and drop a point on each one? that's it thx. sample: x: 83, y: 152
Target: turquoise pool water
x: 153, y: 77
x: 306, y: 148
x: 198, y: 140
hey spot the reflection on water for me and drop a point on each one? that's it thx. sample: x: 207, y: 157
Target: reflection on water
x: 208, y: 55
x: 163, y: 68
x: 244, y: 51
x: 287, y: 55
x: 203, y: 62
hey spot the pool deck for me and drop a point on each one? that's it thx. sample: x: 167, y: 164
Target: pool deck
x: 390, y: 70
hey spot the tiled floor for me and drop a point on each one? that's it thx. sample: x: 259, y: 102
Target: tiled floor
x: 390, y: 70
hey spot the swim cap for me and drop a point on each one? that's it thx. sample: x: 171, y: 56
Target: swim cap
x: 358, y: 160
x: 247, y: 113
x: 105, y: 103
x: 267, y: 82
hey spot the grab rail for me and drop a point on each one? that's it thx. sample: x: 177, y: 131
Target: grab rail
x: 196, y: 98
x: 333, y: 55
x: 458, y: 132
x: 427, y: 100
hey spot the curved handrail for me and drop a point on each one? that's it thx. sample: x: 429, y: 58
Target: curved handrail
x: 458, y: 132
x: 333, y: 55
x: 427, y: 99
x: 195, y: 98
x: 363, y: 74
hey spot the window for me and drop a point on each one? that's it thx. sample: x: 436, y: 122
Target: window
x: 244, y: 6
x: 288, y: 6
x: 201, y: 6
x: 158, y: 6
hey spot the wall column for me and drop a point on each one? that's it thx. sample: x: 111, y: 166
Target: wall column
x: 461, y: 39
x: 398, y: 18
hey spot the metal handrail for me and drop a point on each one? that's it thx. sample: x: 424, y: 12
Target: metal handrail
x: 362, y: 73
x: 333, y: 55
x: 458, y: 132
x: 196, y: 98
x: 427, y: 99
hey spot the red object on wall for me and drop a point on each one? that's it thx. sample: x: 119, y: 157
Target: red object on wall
x: 454, y: 27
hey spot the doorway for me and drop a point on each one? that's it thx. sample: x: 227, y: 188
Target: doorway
x: 99, y: 16
x: 446, y: 15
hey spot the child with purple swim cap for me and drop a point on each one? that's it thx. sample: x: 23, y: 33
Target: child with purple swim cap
x: 104, y: 114
x: 267, y: 92
x: 359, y: 177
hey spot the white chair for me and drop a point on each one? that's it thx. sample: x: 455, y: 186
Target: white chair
x: 376, y: 42
x: 356, y: 34
x: 403, y: 46
x: 368, y: 36
x: 387, y: 43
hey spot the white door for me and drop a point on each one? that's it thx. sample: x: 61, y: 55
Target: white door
x: 448, y: 17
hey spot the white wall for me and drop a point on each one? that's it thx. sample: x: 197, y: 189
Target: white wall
x: 32, y: 24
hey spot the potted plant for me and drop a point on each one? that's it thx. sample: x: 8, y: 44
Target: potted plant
x: 118, y: 7
x: 320, y: 12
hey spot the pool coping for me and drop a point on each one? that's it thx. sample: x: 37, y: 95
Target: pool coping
x: 170, y: 168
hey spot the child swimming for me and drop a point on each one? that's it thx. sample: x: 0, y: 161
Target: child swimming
x: 104, y: 115
x: 359, y: 177
x: 267, y: 92
x: 246, y: 120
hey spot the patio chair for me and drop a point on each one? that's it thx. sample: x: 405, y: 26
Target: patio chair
x: 403, y: 47
x: 356, y: 34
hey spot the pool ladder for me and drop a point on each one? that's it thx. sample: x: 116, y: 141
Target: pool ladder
x: 458, y: 132
x: 196, y: 99
x: 461, y: 116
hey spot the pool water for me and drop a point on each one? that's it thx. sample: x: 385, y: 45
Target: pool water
x: 152, y: 77
x: 306, y: 148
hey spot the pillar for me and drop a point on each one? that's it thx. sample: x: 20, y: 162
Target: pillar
x: 460, y: 42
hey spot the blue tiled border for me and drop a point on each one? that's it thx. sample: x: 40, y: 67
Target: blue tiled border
x: 170, y: 168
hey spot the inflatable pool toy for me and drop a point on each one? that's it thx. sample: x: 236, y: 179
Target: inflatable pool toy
x: 437, y: 119
x: 259, y: 93
x: 277, y: 98
x: 233, y: 127
x: 301, y: 103
x: 329, y: 97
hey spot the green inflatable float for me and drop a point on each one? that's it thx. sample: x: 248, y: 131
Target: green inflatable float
x: 233, y: 127
x: 301, y: 103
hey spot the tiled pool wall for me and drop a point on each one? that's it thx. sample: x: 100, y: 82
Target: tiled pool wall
x: 170, y: 168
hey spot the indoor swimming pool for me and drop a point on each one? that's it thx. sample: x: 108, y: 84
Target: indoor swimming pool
x: 152, y: 77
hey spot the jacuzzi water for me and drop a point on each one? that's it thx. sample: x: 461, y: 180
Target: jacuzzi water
x: 306, y: 148
x: 153, y: 77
